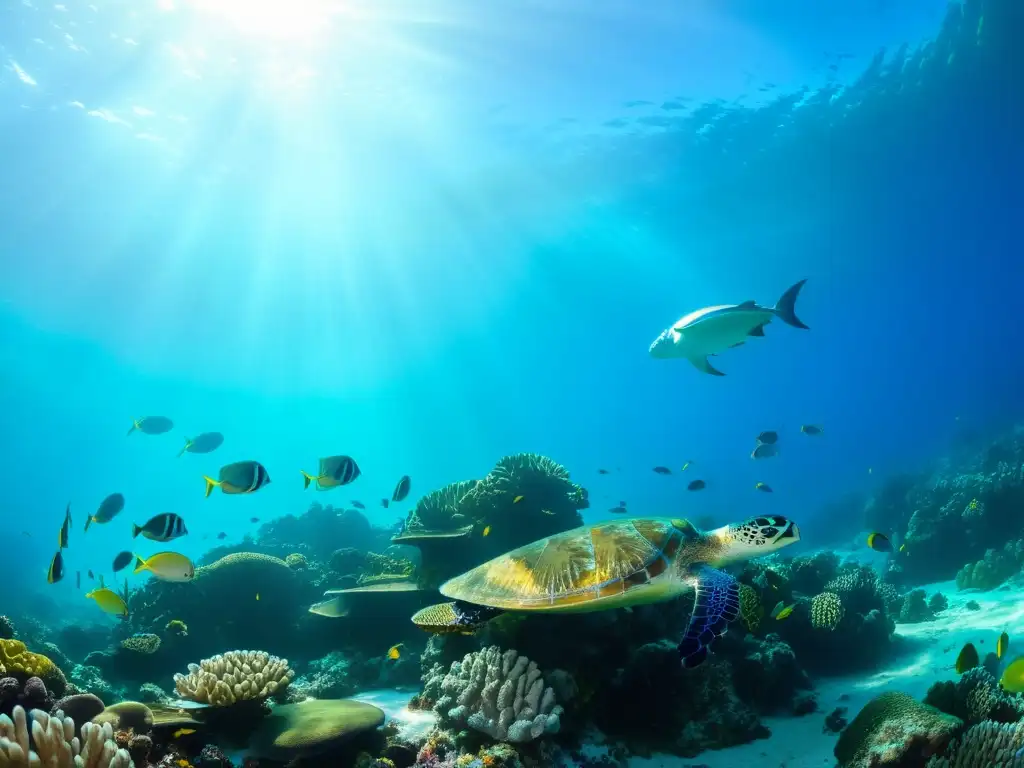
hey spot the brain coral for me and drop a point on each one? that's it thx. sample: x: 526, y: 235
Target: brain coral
x: 21, y: 663
x: 144, y: 642
x: 826, y: 611
x: 234, y: 676
x: 892, y: 729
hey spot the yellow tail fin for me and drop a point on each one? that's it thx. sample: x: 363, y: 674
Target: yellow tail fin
x: 135, y: 425
x: 210, y: 483
x: 188, y: 444
x: 140, y: 565
x: 306, y: 479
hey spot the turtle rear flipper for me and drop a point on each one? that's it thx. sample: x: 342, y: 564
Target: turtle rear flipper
x: 456, y: 616
x: 717, y: 603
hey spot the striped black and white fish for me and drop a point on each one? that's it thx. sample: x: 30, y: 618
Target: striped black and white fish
x: 163, y: 527
x: 240, y: 477
x: 334, y: 472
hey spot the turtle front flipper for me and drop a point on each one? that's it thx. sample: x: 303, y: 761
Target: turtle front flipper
x: 456, y: 616
x: 717, y: 603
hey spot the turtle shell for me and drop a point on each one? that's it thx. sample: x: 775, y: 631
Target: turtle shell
x: 573, y: 567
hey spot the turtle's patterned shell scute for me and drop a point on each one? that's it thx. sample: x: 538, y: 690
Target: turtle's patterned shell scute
x: 575, y: 566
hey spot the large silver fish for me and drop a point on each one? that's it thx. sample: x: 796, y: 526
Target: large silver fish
x: 712, y: 330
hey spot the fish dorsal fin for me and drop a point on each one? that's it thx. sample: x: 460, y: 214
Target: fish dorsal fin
x: 747, y: 304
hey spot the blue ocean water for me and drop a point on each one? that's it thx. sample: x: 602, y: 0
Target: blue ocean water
x: 431, y: 235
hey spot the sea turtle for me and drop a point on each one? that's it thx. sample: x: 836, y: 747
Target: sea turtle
x: 612, y: 565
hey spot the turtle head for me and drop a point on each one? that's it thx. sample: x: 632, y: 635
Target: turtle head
x: 752, y: 538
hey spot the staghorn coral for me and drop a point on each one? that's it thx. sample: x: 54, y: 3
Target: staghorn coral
x: 22, y: 663
x: 234, y: 676
x: 985, y: 745
x: 56, y: 745
x: 500, y: 694
x: 826, y: 611
x: 892, y: 729
x: 145, y: 643
x: 751, y: 609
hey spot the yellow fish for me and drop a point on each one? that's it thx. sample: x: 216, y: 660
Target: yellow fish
x: 968, y: 659
x: 487, y: 531
x: 167, y: 566
x: 257, y: 597
x: 1002, y: 644
x: 393, y: 652
x: 686, y: 466
x: 109, y: 601
x: 784, y: 613
x: 1013, y: 676
x: 517, y: 499
x: 879, y: 542
x: 183, y: 732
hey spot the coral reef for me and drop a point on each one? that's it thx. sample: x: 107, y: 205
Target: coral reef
x: 234, y: 676
x: 974, y: 697
x: 985, y: 745
x: 23, y: 664
x: 525, y: 497
x: 993, y: 569
x: 827, y: 611
x: 500, y: 694
x: 55, y: 743
x: 894, y: 727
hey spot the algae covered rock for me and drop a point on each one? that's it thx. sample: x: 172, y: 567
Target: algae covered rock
x: 312, y: 727
x: 895, y: 729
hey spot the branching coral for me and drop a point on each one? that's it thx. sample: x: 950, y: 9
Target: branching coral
x: 500, y: 694
x: 234, y: 676
x: 892, y: 727
x: 826, y: 611
x: 56, y: 745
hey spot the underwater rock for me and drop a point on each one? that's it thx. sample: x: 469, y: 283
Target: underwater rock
x: 312, y: 727
x: 31, y: 694
x: 892, y: 729
x: 915, y: 608
x: 769, y: 677
x: 685, y: 711
x: 80, y: 707
x: 127, y: 715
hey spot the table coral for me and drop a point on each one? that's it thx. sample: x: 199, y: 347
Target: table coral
x: 55, y: 744
x: 234, y: 676
x: 500, y: 694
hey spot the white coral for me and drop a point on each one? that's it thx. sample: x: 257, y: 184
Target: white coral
x: 234, y: 676
x: 500, y: 694
x: 56, y: 745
